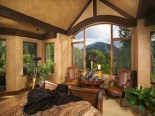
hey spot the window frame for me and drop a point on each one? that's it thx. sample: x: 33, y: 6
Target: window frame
x: 111, y: 45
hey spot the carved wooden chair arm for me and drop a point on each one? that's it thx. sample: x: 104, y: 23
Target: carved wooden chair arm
x: 100, y: 101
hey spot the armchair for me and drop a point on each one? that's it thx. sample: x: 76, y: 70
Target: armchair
x: 121, y: 82
x: 72, y: 73
x: 72, y: 76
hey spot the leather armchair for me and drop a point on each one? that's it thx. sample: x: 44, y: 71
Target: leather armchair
x: 121, y: 82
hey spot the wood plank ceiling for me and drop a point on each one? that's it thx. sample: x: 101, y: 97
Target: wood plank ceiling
x: 43, y: 19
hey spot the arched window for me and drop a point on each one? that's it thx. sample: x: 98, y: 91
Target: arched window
x: 106, y: 45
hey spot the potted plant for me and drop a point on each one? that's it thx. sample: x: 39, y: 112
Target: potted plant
x: 28, y: 70
x: 137, y: 98
x: 151, y: 101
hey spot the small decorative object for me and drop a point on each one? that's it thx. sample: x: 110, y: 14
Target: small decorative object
x: 91, y: 75
x: 99, y: 71
x: 99, y: 66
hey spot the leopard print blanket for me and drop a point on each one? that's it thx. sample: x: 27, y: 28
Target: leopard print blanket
x: 14, y: 107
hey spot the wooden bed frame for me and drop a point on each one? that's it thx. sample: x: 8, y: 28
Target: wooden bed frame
x: 93, y: 96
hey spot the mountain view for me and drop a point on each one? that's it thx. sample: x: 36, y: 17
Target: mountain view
x: 101, y: 46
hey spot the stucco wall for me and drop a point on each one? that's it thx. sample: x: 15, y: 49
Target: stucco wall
x: 14, y: 61
x: 143, y: 34
x: 65, y: 56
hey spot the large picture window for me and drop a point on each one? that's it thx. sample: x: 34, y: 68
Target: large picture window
x: 49, y: 55
x: 105, y: 44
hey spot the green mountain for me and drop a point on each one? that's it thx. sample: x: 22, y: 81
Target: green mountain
x: 101, y: 46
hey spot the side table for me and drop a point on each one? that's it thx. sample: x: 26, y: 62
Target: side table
x: 95, y: 84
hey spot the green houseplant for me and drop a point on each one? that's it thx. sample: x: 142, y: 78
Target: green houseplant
x: 137, y: 98
x: 29, y: 65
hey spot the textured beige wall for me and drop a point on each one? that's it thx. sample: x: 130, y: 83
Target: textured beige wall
x: 144, y: 53
x: 14, y: 61
x: 64, y: 56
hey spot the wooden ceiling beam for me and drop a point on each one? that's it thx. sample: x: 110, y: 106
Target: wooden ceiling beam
x: 142, y: 8
x: 18, y: 32
x: 149, y: 20
x: 94, y: 8
x: 99, y: 19
x: 78, y: 16
x: 20, y: 17
x: 120, y: 11
x: 49, y: 35
x: 22, y: 33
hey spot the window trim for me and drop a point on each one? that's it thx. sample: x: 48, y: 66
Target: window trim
x: 111, y: 45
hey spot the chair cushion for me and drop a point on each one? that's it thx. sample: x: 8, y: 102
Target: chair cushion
x: 115, y: 91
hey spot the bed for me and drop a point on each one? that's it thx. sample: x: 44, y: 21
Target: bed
x: 93, y: 100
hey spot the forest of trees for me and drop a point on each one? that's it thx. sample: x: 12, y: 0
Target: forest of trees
x: 122, y: 59
x: 2, y: 56
x: 99, y: 58
x: 30, y: 48
x: 77, y: 57
x: 50, y: 56
x: 153, y: 57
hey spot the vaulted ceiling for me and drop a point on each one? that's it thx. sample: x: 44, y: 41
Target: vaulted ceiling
x: 47, y: 17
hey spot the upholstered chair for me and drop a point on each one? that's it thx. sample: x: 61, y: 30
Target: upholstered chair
x: 121, y: 82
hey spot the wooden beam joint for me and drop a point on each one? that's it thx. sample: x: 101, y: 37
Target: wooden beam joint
x: 50, y: 35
